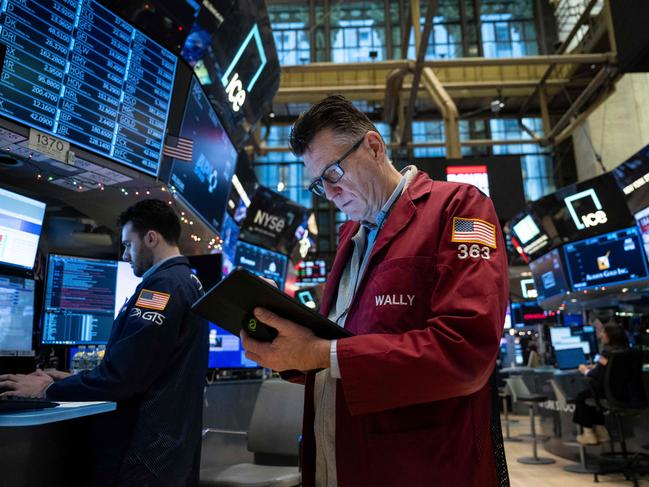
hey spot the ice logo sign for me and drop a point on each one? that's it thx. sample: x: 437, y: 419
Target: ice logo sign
x: 590, y: 219
x: 236, y: 86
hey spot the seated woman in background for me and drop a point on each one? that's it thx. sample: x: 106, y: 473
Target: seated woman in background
x: 614, y: 339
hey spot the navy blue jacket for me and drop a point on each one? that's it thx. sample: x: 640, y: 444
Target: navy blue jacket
x: 154, y: 368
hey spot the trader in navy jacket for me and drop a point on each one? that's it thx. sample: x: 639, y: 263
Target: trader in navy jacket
x: 154, y: 366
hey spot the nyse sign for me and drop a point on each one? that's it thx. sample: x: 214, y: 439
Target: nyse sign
x: 271, y: 222
x: 590, y: 219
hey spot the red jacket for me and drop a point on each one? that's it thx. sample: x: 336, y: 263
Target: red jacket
x: 413, y: 405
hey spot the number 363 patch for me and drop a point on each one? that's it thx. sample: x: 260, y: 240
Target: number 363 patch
x: 474, y: 251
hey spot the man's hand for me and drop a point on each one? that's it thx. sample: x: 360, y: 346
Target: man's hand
x: 583, y: 369
x: 295, y: 346
x: 53, y: 373
x: 32, y: 385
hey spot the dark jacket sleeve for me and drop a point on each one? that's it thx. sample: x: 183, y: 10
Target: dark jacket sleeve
x: 135, y: 359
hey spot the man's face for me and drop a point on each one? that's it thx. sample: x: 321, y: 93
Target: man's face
x: 136, y: 250
x: 356, y: 193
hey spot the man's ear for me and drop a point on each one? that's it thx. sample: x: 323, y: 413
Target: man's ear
x: 377, y: 147
x: 151, y: 239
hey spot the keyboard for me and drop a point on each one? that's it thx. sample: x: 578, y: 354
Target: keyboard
x: 9, y: 404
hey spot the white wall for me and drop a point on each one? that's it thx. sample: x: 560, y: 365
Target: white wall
x: 618, y: 128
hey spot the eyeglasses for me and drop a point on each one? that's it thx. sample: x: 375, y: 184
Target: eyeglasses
x: 333, y: 172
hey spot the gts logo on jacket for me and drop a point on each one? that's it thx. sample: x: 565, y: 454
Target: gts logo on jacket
x: 394, y: 299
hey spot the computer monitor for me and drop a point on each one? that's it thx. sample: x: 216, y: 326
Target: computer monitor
x: 21, y: 222
x: 204, y: 180
x: 569, y: 358
x: 16, y: 315
x: 225, y: 351
x: 605, y: 260
x: 262, y: 262
x: 82, y: 298
x: 566, y: 337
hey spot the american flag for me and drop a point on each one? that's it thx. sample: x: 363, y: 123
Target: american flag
x: 178, y: 148
x: 473, y: 230
x: 152, y: 299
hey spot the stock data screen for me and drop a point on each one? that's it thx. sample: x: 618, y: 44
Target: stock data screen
x: 76, y: 70
x: 79, y: 300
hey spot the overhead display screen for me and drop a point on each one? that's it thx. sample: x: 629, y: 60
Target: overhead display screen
x: 475, y: 175
x: 642, y: 217
x: 232, y: 50
x: 607, y: 259
x: 272, y: 221
x: 528, y: 236
x: 632, y: 177
x: 204, y: 183
x: 549, y: 277
x: 78, y: 71
x: 585, y: 209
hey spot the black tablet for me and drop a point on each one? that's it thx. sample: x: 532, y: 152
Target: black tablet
x: 231, y: 302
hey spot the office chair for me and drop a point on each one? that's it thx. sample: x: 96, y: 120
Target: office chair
x: 623, y: 395
x: 273, y: 438
x: 520, y: 393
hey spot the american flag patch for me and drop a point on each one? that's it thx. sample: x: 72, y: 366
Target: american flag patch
x: 152, y: 300
x: 472, y: 230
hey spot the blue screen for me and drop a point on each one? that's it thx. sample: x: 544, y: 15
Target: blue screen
x: 16, y: 315
x: 612, y: 258
x: 225, y: 351
x: 549, y: 278
x: 573, y: 320
x: 204, y: 182
x: 570, y: 358
x: 78, y: 71
x: 21, y: 221
x: 262, y: 262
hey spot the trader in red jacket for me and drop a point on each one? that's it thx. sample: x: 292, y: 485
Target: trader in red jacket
x: 420, y: 277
